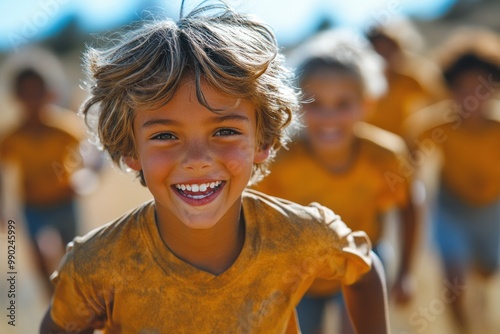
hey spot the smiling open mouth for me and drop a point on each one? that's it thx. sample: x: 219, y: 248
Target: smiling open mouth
x: 198, y: 191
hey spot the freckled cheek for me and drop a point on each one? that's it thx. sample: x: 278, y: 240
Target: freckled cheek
x: 157, y: 165
x: 317, y: 120
x: 239, y: 159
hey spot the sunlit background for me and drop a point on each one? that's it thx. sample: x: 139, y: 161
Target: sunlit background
x: 65, y: 27
x: 31, y: 21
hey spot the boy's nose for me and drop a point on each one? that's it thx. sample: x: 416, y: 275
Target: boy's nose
x: 198, y: 156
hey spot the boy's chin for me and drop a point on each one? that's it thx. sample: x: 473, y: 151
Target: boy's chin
x: 200, y: 223
x: 331, y: 146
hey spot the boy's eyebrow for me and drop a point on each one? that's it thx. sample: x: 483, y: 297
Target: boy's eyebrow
x: 228, y: 117
x: 213, y: 119
x: 159, y: 121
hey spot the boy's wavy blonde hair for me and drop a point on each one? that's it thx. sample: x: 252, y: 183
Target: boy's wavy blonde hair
x: 233, y: 53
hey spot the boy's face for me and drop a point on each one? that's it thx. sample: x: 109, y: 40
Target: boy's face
x: 33, y: 95
x: 196, y: 163
x: 466, y: 88
x: 386, y: 47
x: 338, y: 104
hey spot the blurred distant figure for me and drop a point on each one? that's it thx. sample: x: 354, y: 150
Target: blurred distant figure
x: 466, y: 219
x: 343, y: 163
x: 413, y: 81
x: 44, y: 157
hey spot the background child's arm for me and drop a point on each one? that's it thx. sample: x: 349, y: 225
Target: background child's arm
x: 366, y: 301
x: 403, y: 288
x: 48, y: 326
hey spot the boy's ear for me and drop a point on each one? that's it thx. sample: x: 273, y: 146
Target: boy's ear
x: 261, y: 154
x: 132, y: 162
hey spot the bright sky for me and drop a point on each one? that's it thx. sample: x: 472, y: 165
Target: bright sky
x: 25, y: 21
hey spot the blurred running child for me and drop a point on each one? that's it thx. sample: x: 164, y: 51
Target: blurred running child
x: 348, y: 166
x: 414, y: 81
x: 44, y: 157
x: 466, y: 129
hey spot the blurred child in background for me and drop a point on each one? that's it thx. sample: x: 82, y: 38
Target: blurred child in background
x: 341, y: 162
x: 413, y: 80
x: 44, y: 157
x: 466, y: 129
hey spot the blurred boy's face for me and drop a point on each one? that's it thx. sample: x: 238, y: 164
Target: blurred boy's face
x: 469, y: 92
x: 196, y: 163
x: 386, y: 47
x: 32, y: 93
x: 338, y: 104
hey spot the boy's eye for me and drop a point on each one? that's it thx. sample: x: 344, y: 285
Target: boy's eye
x: 227, y: 132
x: 344, y: 105
x: 164, y: 136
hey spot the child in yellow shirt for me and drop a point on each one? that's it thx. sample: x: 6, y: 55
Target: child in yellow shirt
x: 44, y: 157
x: 466, y: 217
x: 197, y: 108
x: 341, y: 162
x: 413, y: 80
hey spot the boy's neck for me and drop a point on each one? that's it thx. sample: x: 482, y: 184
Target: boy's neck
x: 34, y: 124
x: 213, y: 250
x: 340, y: 160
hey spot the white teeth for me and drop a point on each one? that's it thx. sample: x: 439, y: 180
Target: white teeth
x: 197, y: 196
x: 198, y: 187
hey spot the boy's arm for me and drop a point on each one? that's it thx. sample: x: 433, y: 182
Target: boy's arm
x: 48, y: 326
x: 403, y: 287
x: 366, y: 301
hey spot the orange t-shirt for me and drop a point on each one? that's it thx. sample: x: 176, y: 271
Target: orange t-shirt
x: 372, y: 185
x: 404, y: 96
x: 45, y: 161
x: 122, y: 278
x: 471, y: 157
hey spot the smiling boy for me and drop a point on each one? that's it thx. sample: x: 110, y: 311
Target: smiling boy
x: 198, y: 108
x: 197, y: 165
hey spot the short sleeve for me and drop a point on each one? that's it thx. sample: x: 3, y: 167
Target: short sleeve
x: 347, y: 256
x: 76, y: 304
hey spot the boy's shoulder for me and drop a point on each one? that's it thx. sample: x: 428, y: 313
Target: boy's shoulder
x: 305, y: 232
x: 260, y: 202
x: 114, y: 239
x: 404, y: 79
x: 13, y: 135
x: 20, y: 133
x: 278, y: 212
x: 444, y: 114
x: 13, y: 139
x: 379, y: 142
